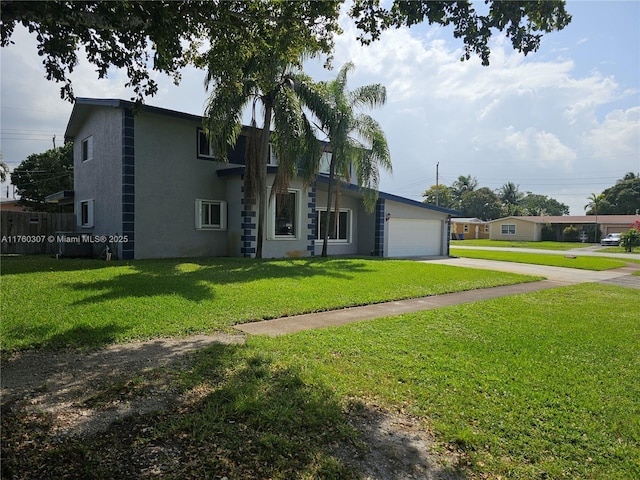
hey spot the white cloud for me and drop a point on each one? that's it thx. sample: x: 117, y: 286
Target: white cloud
x: 531, y: 120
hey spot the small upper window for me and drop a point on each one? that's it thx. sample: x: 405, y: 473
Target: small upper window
x: 205, y: 149
x: 325, y: 162
x: 273, y: 159
x: 87, y: 149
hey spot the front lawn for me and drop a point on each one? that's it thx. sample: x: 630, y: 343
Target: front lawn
x: 583, y: 262
x: 74, y: 302
x: 542, y: 385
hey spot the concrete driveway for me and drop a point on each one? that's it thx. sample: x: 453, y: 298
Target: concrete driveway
x: 556, y: 274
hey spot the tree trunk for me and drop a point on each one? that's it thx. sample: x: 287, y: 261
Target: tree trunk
x: 332, y: 168
x: 262, y: 177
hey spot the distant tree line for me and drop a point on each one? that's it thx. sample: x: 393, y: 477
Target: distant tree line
x: 486, y: 204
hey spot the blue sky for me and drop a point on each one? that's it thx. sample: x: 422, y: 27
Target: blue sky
x: 563, y: 121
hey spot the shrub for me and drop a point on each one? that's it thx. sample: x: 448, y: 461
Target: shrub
x: 570, y: 234
x: 630, y: 239
x: 548, y: 235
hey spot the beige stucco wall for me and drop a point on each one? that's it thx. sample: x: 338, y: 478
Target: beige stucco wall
x: 525, y: 231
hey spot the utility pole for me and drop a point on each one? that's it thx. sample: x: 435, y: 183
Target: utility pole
x: 437, y: 186
x: 54, y: 142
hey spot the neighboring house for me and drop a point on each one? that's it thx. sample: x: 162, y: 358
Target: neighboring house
x: 469, y: 228
x: 150, y: 180
x: 530, y: 228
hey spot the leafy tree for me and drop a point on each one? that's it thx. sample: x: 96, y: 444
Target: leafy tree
x: 142, y: 37
x: 42, y: 174
x: 482, y: 203
x: 439, y: 195
x: 4, y: 171
x: 623, y: 198
x: 522, y: 22
x: 164, y: 36
x: 534, y: 205
x: 356, y: 138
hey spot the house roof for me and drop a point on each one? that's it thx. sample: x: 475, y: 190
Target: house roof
x: 569, y: 219
x: 349, y: 187
x: 84, y: 105
x: 467, y: 220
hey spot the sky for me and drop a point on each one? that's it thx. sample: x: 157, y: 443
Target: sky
x: 563, y: 121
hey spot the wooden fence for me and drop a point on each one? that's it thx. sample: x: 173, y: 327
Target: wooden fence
x: 32, y: 232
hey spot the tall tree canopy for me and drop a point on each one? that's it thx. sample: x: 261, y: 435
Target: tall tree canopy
x: 623, y: 198
x: 142, y: 36
x: 535, y: 205
x: 42, y: 174
x: 481, y: 203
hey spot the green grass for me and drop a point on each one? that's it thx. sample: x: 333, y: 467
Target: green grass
x: 513, y: 244
x: 542, y: 385
x: 556, y: 260
x: 57, y: 303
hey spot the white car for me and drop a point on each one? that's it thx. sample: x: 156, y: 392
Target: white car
x: 611, y: 240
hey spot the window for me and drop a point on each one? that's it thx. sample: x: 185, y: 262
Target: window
x: 508, y: 229
x: 284, y: 214
x: 273, y: 160
x: 339, y: 233
x: 85, y: 213
x: 211, y: 215
x: 486, y: 229
x: 205, y: 150
x: 87, y: 149
x: 325, y: 162
x: 466, y: 229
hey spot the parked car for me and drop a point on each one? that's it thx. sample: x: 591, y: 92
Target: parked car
x: 611, y: 240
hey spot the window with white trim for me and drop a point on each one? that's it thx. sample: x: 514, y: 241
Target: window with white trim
x: 340, y: 232
x: 211, y: 215
x: 466, y: 229
x: 205, y: 149
x: 86, y: 147
x: 284, y: 212
x: 325, y: 162
x: 85, y: 213
x: 486, y: 229
x: 508, y: 229
x: 273, y: 159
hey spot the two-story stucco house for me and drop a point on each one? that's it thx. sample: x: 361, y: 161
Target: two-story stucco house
x: 149, y: 177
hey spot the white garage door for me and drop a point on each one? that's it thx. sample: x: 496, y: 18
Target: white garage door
x: 413, y: 238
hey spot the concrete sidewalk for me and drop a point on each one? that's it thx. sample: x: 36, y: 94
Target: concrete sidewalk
x: 555, y: 277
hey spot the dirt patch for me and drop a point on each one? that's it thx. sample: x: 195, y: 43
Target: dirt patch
x: 51, y: 399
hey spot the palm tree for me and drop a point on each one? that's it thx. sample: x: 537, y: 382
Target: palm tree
x: 272, y: 86
x: 595, y: 202
x: 355, y: 138
x: 510, y: 196
x: 461, y: 186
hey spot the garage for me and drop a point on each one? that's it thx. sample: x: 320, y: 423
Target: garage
x: 413, y: 237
